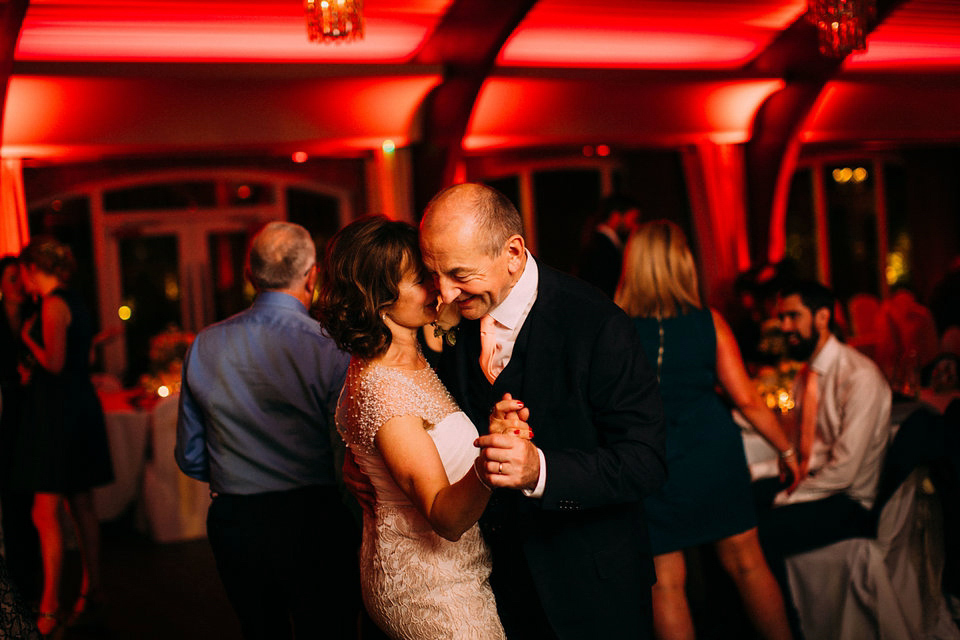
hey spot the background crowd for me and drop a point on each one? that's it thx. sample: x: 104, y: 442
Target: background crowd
x: 258, y: 422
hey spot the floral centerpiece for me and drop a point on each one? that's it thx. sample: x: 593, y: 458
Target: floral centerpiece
x: 775, y: 384
x: 167, y: 351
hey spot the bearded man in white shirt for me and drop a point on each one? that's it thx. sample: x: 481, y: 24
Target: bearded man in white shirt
x: 844, y: 433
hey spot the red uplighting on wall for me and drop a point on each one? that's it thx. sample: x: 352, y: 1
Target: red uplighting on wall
x: 628, y: 34
x: 45, y: 115
x: 206, y: 30
x: 622, y: 47
x: 882, y: 54
x: 508, y: 111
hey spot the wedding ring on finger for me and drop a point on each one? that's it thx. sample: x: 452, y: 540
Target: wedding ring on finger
x: 500, y: 468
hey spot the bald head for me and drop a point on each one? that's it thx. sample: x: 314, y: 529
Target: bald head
x: 487, y: 214
x: 280, y: 255
x: 471, y: 238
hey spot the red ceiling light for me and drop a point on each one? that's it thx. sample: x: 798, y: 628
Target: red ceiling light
x: 334, y: 20
x: 843, y: 25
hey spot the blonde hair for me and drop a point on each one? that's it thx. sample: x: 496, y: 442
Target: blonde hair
x: 659, y: 275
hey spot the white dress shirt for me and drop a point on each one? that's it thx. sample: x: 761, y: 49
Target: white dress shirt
x: 510, y: 315
x: 853, y: 428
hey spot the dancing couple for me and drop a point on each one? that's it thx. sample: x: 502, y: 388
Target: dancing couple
x: 506, y: 491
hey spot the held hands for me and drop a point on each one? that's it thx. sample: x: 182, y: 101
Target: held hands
x: 803, y: 468
x: 25, y: 330
x: 509, y: 416
x: 790, y: 465
x: 507, y: 457
x: 800, y: 462
x: 27, y: 326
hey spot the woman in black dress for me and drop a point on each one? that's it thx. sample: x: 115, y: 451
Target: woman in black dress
x: 21, y: 548
x: 707, y: 496
x: 62, y: 451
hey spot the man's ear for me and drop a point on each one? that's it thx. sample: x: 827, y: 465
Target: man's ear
x: 311, y: 283
x: 516, y: 251
x: 821, y: 319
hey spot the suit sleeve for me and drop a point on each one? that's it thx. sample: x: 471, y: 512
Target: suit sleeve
x: 618, y: 455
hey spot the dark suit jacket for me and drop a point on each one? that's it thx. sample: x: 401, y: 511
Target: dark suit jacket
x: 595, y: 413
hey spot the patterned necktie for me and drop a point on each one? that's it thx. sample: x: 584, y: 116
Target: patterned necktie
x: 488, y: 347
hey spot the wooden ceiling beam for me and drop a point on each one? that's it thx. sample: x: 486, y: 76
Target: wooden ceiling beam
x: 465, y: 44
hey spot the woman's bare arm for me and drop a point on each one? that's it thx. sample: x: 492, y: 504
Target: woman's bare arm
x: 741, y: 390
x: 413, y: 461
x: 412, y: 458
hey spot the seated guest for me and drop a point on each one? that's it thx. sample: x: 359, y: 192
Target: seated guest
x: 844, y: 405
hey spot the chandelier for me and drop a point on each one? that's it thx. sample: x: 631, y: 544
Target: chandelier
x: 334, y: 20
x: 842, y: 24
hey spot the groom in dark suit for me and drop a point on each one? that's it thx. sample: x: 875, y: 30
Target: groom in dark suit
x: 565, y: 524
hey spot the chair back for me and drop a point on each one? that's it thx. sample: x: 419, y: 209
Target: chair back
x: 920, y: 440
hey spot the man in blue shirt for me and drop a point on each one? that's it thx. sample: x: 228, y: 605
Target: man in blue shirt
x: 256, y: 409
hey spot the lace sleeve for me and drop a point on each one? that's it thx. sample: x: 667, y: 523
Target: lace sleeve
x: 371, y: 396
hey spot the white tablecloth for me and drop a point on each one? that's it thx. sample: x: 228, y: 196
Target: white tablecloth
x: 169, y: 505
x: 128, y: 432
x: 175, y: 505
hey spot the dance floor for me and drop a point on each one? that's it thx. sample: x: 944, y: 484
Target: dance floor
x: 166, y: 591
x: 157, y: 591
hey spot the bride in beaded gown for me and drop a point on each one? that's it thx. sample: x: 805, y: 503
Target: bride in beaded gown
x: 424, y: 565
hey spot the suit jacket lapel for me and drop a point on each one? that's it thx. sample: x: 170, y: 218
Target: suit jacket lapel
x: 543, y: 353
x: 467, y: 356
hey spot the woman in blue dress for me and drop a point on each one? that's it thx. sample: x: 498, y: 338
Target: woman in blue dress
x: 707, y: 496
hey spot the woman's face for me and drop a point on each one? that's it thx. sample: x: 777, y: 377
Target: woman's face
x: 11, y: 286
x: 416, y: 303
x: 27, y: 277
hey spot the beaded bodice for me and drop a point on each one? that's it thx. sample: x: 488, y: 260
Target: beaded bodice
x: 373, y: 394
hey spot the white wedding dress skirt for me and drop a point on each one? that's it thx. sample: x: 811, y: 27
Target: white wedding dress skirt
x: 417, y: 585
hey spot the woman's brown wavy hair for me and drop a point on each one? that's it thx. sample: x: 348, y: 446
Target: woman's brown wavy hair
x: 50, y: 256
x: 363, y: 266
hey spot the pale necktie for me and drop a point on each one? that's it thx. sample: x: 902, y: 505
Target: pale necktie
x: 808, y: 413
x: 488, y: 347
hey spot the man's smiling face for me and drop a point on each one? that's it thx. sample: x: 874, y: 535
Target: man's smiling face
x: 464, y: 274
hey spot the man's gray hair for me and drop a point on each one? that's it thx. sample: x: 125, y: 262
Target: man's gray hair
x: 280, y: 254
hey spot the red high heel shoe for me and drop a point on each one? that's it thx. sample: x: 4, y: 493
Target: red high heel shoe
x: 86, y: 609
x: 49, y: 624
